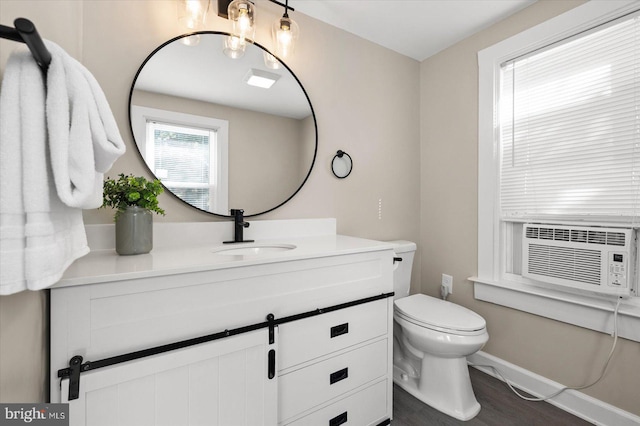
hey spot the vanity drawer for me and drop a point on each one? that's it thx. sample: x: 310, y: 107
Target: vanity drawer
x: 366, y: 407
x: 308, y: 387
x: 310, y: 338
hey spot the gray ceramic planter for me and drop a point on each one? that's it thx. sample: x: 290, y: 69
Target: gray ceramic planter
x: 134, y: 231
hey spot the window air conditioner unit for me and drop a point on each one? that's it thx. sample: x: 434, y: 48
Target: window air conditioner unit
x: 595, y: 259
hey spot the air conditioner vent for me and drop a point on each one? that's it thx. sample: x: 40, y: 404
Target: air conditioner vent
x: 546, y: 233
x: 577, y: 235
x: 565, y: 263
x: 615, y: 239
x: 597, y: 237
x: 595, y: 259
x: 560, y: 234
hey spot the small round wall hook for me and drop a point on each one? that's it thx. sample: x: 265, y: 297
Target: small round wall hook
x: 341, y: 165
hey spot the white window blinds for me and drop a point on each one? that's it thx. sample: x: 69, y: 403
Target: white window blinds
x: 570, y: 128
x: 184, y: 160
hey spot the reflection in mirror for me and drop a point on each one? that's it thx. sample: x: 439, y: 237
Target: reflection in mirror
x: 215, y: 141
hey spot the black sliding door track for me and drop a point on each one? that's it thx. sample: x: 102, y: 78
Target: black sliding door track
x: 76, y: 366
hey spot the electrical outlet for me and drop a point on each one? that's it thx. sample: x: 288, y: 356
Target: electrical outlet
x: 447, y: 281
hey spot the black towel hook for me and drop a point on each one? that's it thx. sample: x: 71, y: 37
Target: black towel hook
x: 25, y: 32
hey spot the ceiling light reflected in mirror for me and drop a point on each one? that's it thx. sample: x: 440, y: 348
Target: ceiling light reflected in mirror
x: 260, y: 78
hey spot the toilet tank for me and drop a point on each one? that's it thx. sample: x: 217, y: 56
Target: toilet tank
x: 402, y: 269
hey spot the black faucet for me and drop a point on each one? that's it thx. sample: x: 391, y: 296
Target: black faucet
x: 240, y: 224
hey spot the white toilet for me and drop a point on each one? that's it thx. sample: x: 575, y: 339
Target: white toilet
x: 432, y: 339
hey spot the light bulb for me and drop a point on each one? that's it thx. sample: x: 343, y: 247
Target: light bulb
x: 244, y: 23
x: 192, y: 13
x: 234, y: 47
x: 285, y: 33
x: 191, y: 16
x: 242, y: 14
x: 192, y: 40
x: 270, y: 61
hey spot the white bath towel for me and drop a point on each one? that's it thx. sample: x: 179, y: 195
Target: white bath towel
x: 83, y: 135
x: 40, y: 235
x: 12, y: 215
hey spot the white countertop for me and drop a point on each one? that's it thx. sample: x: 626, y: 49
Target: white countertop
x: 106, y: 265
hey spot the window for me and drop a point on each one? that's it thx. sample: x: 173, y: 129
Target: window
x: 184, y: 159
x: 559, y: 142
x: 188, y: 153
x: 568, y: 120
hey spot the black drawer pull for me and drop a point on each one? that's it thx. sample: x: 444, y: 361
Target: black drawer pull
x: 338, y: 420
x: 339, y: 330
x: 338, y: 375
x: 272, y: 364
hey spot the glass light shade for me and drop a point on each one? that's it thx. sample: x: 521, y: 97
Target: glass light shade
x: 234, y: 47
x: 285, y: 33
x: 192, y: 13
x: 270, y: 61
x: 191, y: 40
x: 242, y: 16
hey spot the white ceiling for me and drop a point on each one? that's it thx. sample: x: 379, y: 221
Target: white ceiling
x: 204, y: 73
x: 414, y: 28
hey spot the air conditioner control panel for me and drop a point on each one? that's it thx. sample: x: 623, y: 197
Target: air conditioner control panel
x: 618, y: 269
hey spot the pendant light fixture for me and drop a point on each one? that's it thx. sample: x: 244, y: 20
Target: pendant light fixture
x: 241, y: 14
x: 285, y: 33
x: 234, y: 47
x: 270, y: 61
x: 191, y: 17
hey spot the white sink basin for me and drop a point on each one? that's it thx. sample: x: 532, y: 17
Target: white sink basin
x: 254, y: 249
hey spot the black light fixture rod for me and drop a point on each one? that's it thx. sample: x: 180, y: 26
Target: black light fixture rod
x: 224, y: 4
x: 286, y: 6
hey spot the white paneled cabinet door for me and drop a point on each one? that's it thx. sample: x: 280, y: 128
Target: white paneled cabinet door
x: 223, y: 382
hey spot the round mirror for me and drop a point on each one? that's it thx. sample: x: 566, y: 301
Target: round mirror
x: 223, y: 133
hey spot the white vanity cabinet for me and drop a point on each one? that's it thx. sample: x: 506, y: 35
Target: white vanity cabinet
x: 324, y: 357
x: 333, y: 368
x: 219, y: 383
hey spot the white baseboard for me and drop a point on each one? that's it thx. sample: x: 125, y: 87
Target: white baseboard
x: 577, y: 403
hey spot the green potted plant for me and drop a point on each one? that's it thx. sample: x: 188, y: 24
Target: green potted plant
x: 134, y: 198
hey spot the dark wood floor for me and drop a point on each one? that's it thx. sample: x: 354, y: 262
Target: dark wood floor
x: 500, y: 407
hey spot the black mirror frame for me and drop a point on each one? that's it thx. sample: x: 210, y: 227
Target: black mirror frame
x: 315, y: 122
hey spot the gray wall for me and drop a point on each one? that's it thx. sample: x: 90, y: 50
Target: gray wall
x: 365, y: 98
x: 411, y: 130
x: 449, y: 169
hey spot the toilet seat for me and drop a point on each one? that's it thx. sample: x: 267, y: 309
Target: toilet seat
x: 439, y: 315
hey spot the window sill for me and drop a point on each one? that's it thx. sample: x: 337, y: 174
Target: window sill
x: 593, y: 313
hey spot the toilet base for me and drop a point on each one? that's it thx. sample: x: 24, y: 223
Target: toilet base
x: 443, y: 384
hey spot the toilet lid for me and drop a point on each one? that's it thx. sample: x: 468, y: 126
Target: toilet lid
x: 439, y: 313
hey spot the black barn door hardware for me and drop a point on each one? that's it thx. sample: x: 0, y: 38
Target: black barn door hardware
x: 76, y: 366
x: 271, y: 364
x: 272, y: 328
